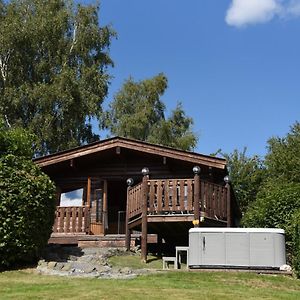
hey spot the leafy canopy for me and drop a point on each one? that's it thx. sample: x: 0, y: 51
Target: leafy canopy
x: 247, y: 174
x: 53, y: 70
x: 138, y: 112
x: 278, y: 201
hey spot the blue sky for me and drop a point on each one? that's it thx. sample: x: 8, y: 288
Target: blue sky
x: 235, y: 65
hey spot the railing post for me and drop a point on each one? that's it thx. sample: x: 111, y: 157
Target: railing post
x: 88, y: 205
x: 145, y: 172
x: 127, y: 231
x: 196, y: 171
x: 228, y: 200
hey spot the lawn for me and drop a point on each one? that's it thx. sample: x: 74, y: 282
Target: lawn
x: 165, y: 285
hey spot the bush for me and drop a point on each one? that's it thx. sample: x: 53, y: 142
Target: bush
x: 27, y: 205
x: 275, y: 207
x: 294, y: 229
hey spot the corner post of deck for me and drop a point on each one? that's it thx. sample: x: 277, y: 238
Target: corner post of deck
x: 196, y: 171
x: 145, y: 172
x: 228, y: 199
x: 129, y: 182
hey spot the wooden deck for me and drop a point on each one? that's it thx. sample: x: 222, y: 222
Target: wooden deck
x: 173, y: 200
x: 155, y: 203
x: 165, y: 207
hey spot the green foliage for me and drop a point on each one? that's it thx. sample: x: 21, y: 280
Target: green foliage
x: 274, y: 206
x: 278, y: 201
x: 283, y: 158
x: 53, y: 70
x: 26, y: 199
x: 295, y: 231
x: 26, y: 210
x: 175, y: 131
x: 138, y: 112
x: 16, y: 141
x: 137, y: 107
x: 247, y: 174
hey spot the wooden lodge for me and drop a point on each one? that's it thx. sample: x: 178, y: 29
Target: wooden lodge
x: 118, y: 186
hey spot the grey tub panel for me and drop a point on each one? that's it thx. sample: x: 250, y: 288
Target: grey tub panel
x: 236, y: 248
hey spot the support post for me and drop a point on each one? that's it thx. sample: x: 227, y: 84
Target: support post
x: 105, y: 219
x: 88, y: 193
x: 145, y: 172
x: 159, y: 245
x: 196, y: 171
x: 228, y: 199
x: 127, y: 230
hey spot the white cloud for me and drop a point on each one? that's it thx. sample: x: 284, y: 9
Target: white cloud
x: 247, y: 12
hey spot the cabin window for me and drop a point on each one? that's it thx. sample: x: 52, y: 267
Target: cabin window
x: 72, y: 198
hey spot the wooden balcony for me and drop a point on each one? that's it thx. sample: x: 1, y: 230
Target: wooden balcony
x: 176, y: 198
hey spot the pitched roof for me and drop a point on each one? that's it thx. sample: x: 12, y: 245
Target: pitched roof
x: 130, y: 144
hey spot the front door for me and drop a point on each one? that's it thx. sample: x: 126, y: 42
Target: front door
x: 98, y: 211
x: 116, y: 200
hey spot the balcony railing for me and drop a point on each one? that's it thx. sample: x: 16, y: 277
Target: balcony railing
x: 72, y: 219
x: 176, y: 196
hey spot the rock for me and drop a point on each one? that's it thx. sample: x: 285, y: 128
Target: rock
x: 67, y: 267
x: 51, y: 265
x: 286, y: 268
x: 58, y: 266
x: 126, y: 270
x: 88, y: 262
x: 102, y: 269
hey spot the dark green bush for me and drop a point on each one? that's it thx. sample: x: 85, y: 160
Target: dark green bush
x: 275, y: 207
x: 294, y: 229
x: 27, y: 208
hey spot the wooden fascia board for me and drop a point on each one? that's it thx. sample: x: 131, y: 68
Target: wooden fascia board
x: 147, y: 148
x: 176, y: 154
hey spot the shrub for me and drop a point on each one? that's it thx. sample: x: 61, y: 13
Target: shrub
x: 294, y: 229
x: 27, y: 208
x: 275, y: 207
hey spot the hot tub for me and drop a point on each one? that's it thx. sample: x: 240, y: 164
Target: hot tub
x: 236, y: 248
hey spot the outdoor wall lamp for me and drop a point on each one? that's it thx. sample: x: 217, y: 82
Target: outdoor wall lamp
x: 196, y: 170
x: 129, y: 181
x: 227, y: 179
x: 145, y: 171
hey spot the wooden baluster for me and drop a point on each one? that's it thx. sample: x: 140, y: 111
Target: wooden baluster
x: 61, y: 219
x: 167, y: 189
x: 159, y: 196
x: 182, y: 205
x: 175, y: 195
x: 67, y: 224
x: 151, y: 196
x: 79, y: 226
x: 190, y: 194
x: 73, y: 218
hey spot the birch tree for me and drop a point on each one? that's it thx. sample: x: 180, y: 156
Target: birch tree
x: 54, y: 60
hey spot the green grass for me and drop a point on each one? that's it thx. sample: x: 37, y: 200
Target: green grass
x: 134, y: 261
x: 166, y: 285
